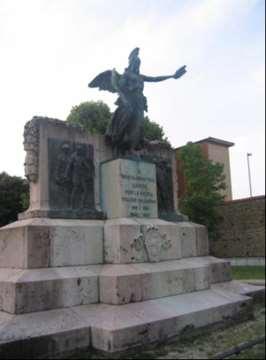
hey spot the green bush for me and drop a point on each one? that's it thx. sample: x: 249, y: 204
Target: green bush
x: 92, y: 116
x: 14, y: 197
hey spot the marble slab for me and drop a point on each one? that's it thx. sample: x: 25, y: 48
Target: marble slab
x: 129, y: 189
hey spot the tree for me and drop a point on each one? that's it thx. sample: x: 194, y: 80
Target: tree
x: 14, y: 197
x: 94, y: 117
x: 153, y: 131
x: 204, y: 182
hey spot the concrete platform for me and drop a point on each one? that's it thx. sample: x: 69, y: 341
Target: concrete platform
x: 67, y: 285
x: 122, y: 284
x: 114, y: 328
x: 31, y: 290
x: 256, y: 291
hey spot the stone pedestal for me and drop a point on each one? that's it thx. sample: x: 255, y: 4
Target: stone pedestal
x: 129, y: 189
x: 62, y: 281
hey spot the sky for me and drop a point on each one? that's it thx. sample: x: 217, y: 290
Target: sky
x: 52, y: 49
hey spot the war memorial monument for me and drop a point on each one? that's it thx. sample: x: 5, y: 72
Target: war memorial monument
x: 102, y: 258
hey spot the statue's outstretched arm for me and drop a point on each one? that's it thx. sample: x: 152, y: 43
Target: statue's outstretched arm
x: 180, y: 72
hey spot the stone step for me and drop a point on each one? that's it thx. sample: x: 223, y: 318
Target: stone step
x: 24, y: 291
x: 30, y: 290
x: 122, y: 284
x: 114, y: 328
x: 255, y: 290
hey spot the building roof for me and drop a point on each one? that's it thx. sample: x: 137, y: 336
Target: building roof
x: 212, y: 140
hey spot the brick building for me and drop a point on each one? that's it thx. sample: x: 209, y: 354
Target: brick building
x: 213, y: 149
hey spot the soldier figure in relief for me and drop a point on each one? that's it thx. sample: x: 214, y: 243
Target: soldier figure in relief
x: 81, y: 171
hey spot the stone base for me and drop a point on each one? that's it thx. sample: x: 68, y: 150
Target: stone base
x: 27, y: 291
x: 152, y: 240
x: 114, y: 328
x: 31, y: 290
x: 122, y: 284
x: 173, y: 216
x: 79, y: 214
x: 42, y: 243
x: 112, y: 285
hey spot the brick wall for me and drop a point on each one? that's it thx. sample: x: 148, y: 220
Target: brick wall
x: 242, y: 229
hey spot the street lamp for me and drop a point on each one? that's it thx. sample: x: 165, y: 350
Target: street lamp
x: 249, y: 174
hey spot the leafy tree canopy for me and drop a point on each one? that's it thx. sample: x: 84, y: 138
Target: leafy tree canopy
x: 14, y: 195
x: 94, y: 117
x: 153, y: 131
x: 205, y: 183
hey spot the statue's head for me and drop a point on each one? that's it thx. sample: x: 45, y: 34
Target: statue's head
x: 134, y: 61
x: 81, y: 149
x: 65, y: 147
x: 134, y: 53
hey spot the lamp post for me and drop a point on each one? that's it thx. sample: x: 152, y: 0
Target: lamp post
x: 249, y: 174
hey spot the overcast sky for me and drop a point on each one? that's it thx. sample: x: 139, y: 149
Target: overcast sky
x: 51, y: 49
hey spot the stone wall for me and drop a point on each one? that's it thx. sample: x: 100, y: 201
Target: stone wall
x: 242, y: 229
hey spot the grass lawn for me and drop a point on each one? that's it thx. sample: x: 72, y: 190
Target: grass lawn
x: 248, y: 272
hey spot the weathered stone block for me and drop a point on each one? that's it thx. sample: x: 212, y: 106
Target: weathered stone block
x: 155, y: 320
x: 77, y: 244
x: 220, y: 271
x: 129, y: 189
x: 23, y: 291
x: 202, y: 240
x: 46, y: 334
x: 194, y: 239
x: 40, y: 243
x: 115, y: 328
x: 63, y: 167
x: 188, y: 238
x: 140, y: 240
x: 24, y: 246
x: 121, y: 284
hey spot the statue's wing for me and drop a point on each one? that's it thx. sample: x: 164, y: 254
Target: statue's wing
x: 103, y: 81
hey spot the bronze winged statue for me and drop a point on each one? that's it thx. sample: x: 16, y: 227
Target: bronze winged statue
x: 125, y: 133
